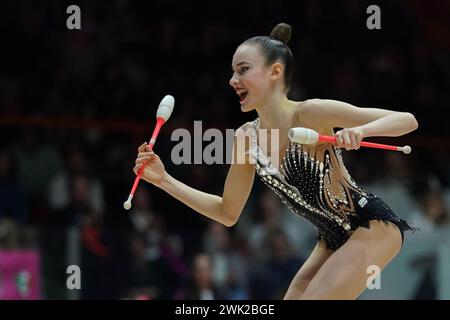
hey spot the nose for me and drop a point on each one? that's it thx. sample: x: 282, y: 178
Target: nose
x: 233, y: 81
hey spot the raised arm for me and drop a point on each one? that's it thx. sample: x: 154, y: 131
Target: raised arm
x: 225, y: 210
x: 359, y: 123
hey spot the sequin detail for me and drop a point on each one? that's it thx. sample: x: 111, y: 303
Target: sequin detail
x: 314, y: 183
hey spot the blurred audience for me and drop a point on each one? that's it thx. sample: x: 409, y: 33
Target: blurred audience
x: 12, y: 198
x: 272, y: 277
x: 433, y: 219
x: 59, y: 187
x: 201, y: 285
x: 230, y: 270
x: 67, y: 180
x: 270, y: 214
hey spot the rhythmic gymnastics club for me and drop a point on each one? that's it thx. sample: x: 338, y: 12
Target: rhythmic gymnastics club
x: 162, y: 115
x: 309, y: 136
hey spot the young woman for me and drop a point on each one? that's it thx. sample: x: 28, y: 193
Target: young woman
x: 356, y: 229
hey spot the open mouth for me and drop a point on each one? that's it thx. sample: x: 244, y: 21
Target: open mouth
x: 242, y: 95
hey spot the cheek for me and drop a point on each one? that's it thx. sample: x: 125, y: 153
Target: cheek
x: 257, y: 81
x: 264, y: 79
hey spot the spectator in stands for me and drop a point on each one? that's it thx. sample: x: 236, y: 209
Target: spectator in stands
x: 201, y: 285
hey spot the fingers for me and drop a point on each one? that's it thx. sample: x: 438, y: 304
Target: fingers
x: 144, y: 157
x: 137, y: 168
x: 358, y: 139
x: 347, y: 141
x: 142, y: 162
x: 142, y: 147
x: 339, y: 140
x: 146, y: 154
x: 357, y: 135
x: 354, y: 145
x: 350, y: 139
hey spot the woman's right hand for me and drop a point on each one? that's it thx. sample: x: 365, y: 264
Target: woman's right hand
x: 153, y: 166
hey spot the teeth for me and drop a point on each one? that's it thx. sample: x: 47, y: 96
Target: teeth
x: 240, y: 93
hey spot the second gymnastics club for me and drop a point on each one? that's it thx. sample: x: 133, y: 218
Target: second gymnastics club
x: 309, y: 136
x: 162, y: 115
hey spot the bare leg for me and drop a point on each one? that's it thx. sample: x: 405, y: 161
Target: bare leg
x: 301, y: 280
x: 344, y: 275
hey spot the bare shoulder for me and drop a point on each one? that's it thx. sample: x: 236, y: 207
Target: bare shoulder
x: 310, y: 114
x: 311, y: 107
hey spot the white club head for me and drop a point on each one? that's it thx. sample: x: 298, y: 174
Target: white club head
x: 406, y: 149
x: 165, y: 107
x: 127, y: 205
x: 303, y: 135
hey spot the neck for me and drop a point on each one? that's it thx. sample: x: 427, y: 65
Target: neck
x: 276, y: 112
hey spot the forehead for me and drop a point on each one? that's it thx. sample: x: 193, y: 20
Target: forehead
x: 247, y: 53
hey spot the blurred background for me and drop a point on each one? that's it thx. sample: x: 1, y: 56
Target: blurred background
x: 76, y: 104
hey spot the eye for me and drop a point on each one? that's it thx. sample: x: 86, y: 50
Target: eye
x: 243, y: 69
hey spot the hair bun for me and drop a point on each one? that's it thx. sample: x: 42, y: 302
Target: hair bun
x: 282, y: 32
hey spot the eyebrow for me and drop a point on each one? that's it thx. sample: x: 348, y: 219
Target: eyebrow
x: 242, y: 62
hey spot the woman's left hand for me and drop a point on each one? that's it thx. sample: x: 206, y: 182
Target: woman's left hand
x: 349, y: 138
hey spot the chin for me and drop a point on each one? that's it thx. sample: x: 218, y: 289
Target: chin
x: 246, y: 108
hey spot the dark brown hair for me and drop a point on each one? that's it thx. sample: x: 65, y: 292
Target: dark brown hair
x: 274, y: 48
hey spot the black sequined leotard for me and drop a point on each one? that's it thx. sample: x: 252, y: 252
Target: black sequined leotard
x: 314, y: 183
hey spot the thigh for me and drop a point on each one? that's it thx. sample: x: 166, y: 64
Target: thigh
x: 319, y: 255
x: 344, y: 275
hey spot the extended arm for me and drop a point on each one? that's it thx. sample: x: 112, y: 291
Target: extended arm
x: 359, y: 123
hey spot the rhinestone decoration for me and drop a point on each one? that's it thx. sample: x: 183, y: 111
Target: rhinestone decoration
x: 314, y: 184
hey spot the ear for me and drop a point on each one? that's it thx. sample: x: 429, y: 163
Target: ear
x: 276, y: 71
